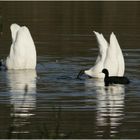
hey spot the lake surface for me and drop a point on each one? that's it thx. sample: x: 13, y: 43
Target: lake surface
x: 50, y: 102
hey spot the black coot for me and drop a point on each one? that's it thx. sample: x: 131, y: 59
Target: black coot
x: 114, y: 79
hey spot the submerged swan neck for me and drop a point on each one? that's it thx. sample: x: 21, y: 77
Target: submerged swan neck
x: 2, y: 65
x: 80, y: 74
x: 1, y: 62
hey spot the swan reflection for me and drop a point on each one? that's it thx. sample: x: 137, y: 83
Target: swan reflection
x: 22, y: 84
x: 110, y: 107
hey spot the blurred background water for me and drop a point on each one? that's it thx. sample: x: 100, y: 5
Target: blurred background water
x: 49, y: 102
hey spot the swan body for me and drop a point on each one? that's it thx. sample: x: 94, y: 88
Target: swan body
x: 99, y: 64
x: 22, y: 52
x: 111, y: 60
x: 110, y: 57
x: 120, y: 58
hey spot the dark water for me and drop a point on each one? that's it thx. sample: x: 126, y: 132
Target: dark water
x: 49, y: 102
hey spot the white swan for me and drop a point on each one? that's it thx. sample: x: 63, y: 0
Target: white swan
x: 120, y: 58
x: 110, y: 57
x: 114, y: 60
x: 99, y: 64
x: 22, y: 52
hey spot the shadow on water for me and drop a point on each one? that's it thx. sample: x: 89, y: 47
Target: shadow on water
x: 45, y: 132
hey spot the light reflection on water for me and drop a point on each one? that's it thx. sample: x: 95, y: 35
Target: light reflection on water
x: 109, y: 106
x: 34, y: 95
x: 22, y: 92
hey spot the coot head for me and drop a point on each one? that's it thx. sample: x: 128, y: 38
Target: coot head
x: 105, y: 71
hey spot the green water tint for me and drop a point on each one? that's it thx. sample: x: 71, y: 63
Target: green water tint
x: 56, y: 105
x: 1, y: 24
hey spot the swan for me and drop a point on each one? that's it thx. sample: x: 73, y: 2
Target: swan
x: 114, y: 60
x: 110, y: 57
x: 22, y: 52
x: 99, y: 64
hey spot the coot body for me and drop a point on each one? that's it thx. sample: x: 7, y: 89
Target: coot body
x: 114, y: 79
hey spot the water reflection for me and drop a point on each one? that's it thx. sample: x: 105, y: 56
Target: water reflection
x: 22, y: 85
x: 110, y: 107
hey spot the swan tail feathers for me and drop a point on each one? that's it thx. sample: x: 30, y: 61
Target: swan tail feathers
x: 101, y: 40
x: 120, y: 58
x: 14, y: 29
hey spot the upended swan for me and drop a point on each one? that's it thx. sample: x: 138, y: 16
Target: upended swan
x: 110, y: 57
x: 22, y: 52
